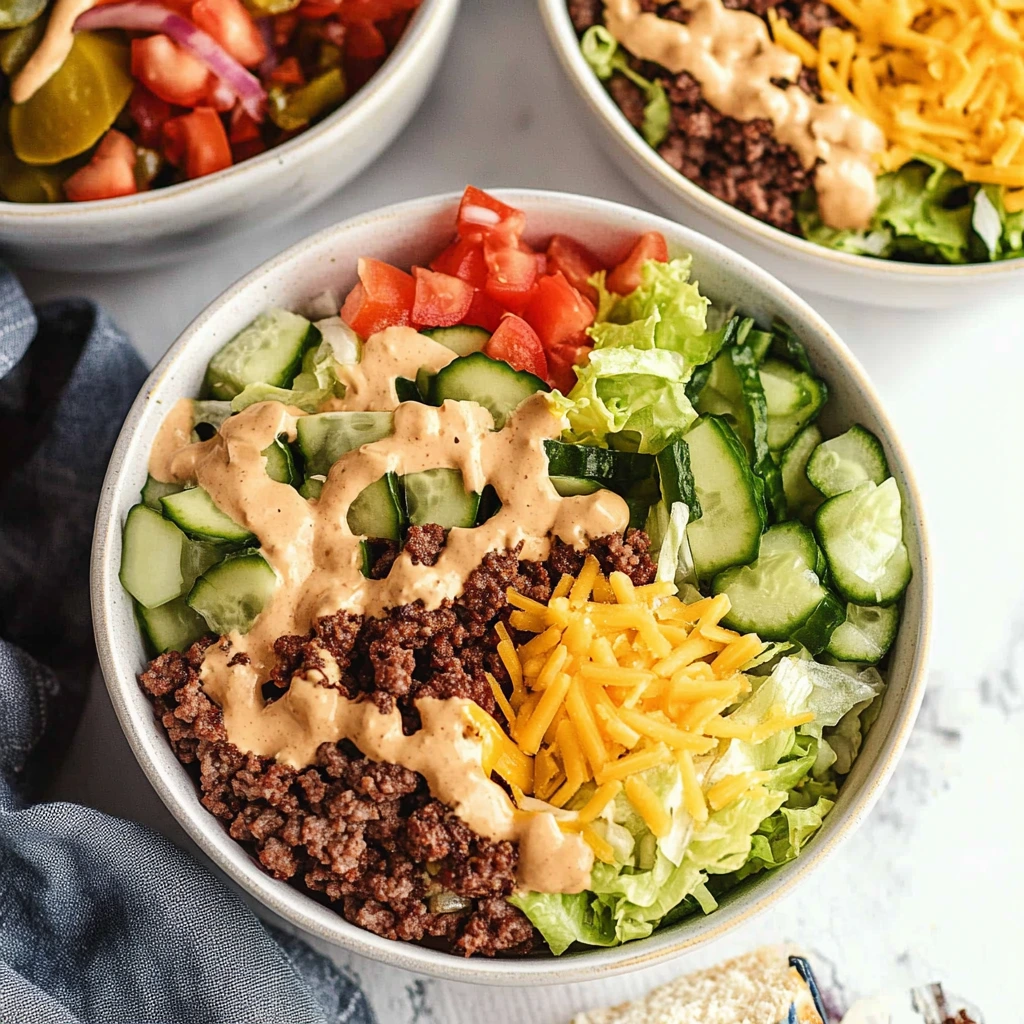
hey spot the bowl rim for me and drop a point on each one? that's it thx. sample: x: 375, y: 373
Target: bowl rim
x: 377, y: 92
x: 562, y: 35
x: 178, y: 793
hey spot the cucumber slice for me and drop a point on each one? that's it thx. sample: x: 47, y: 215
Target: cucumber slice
x: 268, y: 351
x: 325, y: 437
x: 155, y: 489
x: 788, y: 347
x: 406, y: 390
x: 491, y: 383
x: 776, y: 375
x: 801, y: 498
x: 232, y: 594
x: 866, y: 634
x: 792, y: 537
x: 197, y: 514
x: 571, y: 486
x: 617, y: 469
x: 377, y: 510
x: 697, y: 382
x: 462, y: 340
x: 784, y: 397
x: 760, y: 342
x: 281, y: 463
x: 861, y: 533
x: 171, y: 627
x: 151, y: 557
x: 676, y: 478
x: 773, y: 597
x: 840, y: 464
x: 439, y: 496
x: 425, y: 384
x: 731, y: 499
x: 311, y: 488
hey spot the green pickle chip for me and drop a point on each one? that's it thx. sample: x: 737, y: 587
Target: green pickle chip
x: 15, y: 13
x: 71, y: 112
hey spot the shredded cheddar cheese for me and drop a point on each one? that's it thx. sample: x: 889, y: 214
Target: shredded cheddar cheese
x: 618, y: 679
x: 942, y: 78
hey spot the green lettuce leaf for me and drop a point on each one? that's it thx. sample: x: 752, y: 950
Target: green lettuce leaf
x: 601, y: 51
x: 564, y: 919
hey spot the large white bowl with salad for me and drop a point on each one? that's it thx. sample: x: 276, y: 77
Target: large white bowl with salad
x: 851, y: 149
x: 512, y: 589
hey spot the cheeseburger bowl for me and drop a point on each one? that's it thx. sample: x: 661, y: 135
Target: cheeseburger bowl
x: 161, y: 221
x: 655, y: 118
x: 547, y: 713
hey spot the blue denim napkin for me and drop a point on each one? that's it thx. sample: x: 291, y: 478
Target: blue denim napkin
x: 101, y: 920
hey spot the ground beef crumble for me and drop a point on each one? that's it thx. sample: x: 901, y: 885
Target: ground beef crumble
x: 364, y: 836
x: 739, y: 162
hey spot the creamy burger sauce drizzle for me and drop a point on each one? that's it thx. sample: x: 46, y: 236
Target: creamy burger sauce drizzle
x: 317, y: 559
x: 732, y: 57
x: 52, y: 50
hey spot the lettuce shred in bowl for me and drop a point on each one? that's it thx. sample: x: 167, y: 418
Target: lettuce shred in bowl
x: 877, y: 131
x: 522, y: 604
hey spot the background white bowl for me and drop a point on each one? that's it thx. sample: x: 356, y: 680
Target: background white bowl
x: 803, y: 264
x: 408, y: 233
x: 167, y: 224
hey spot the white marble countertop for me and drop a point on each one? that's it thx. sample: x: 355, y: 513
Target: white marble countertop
x: 931, y: 887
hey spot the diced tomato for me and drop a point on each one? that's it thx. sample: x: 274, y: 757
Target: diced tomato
x: 516, y: 343
x: 197, y: 142
x: 558, y: 313
x: 561, y: 361
x: 109, y: 174
x: 484, y: 312
x: 373, y: 10
x: 149, y: 113
x: 233, y: 27
x: 440, y: 299
x: 383, y: 298
x: 479, y: 211
x: 243, y: 128
x: 288, y: 72
x: 364, y: 41
x: 220, y: 96
x: 247, y: 150
x: 314, y: 11
x: 167, y: 70
x: 283, y: 28
x: 625, y: 278
x: 463, y: 259
x: 511, y: 273
x: 575, y: 261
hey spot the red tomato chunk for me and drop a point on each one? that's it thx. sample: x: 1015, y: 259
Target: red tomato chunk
x: 516, y: 343
x: 383, y: 298
x: 440, y: 299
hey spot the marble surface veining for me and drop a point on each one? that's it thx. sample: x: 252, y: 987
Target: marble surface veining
x: 931, y: 887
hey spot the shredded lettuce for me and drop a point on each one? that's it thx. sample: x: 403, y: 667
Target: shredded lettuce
x: 601, y: 51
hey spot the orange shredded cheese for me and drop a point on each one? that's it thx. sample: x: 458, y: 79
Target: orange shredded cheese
x: 942, y: 78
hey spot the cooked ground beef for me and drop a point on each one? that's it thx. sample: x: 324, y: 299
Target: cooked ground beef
x: 740, y: 162
x: 365, y: 836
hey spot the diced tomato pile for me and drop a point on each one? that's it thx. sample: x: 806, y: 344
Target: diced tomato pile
x: 536, y: 305
x: 185, y: 123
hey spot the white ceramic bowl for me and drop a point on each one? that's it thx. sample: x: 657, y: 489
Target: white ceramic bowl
x: 167, y: 224
x: 802, y: 264
x: 411, y: 233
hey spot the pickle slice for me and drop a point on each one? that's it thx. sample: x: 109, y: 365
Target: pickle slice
x: 15, y: 13
x: 77, y: 105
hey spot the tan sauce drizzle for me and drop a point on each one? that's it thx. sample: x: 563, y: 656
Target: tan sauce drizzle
x: 317, y: 557
x: 732, y: 57
x: 174, y: 434
x: 447, y: 751
x: 52, y: 51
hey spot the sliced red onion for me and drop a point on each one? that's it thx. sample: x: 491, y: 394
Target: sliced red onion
x: 480, y: 215
x: 139, y: 16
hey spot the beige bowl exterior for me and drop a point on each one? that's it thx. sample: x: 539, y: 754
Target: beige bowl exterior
x: 802, y: 264
x: 168, y: 224
x: 411, y: 233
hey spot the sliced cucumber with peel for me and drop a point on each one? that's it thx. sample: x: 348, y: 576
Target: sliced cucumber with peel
x: 151, y: 557
x: 231, y: 595
x: 866, y: 634
x: 801, y: 497
x: 439, y: 496
x: 778, y: 378
x: 323, y: 438
x: 793, y: 537
x: 281, y: 463
x: 490, y: 382
x: 406, y: 390
x: 268, y: 351
x: 841, y: 463
x: 573, y: 486
x: 731, y: 499
x: 614, y: 468
x: 155, y: 489
x: 462, y: 340
x: 861, y: 534
x: 376, y: 511
x: 198, y: 515
x: 172, y: 626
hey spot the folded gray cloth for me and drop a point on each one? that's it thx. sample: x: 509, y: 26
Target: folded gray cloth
x: 101, y: 920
